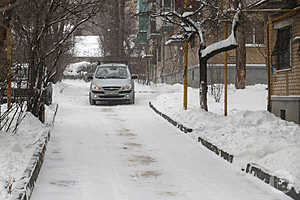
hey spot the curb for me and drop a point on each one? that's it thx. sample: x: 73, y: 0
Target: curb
x: 225, y: 155
x: 23, y: 187
x: 274, y: 181
x: 252, y: 168
x: 170, y: 120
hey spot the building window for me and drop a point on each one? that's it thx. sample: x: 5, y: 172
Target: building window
x: 159, y: 53
x: 283, y: 114
x: 281, y: 55
x: 255, y: 33
x: 193, y: 74
x: 168, y: 3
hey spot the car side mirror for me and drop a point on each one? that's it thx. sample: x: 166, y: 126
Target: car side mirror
x: 134, y: 76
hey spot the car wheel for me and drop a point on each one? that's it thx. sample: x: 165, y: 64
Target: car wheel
x: 92, y: 102
x: 131, y: 101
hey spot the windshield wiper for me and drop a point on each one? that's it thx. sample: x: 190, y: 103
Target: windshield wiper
x: 115, y: 77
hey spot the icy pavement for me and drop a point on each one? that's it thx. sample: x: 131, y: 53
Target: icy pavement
x: 126, y: 152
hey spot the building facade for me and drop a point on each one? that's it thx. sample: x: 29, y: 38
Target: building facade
x: 284, y: 59
x: 167, y: 61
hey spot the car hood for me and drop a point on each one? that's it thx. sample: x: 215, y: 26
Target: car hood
x: 111, y: 82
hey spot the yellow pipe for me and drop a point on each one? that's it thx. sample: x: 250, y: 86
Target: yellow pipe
x: 185, y: 71
x: 269, y: 10
x: 268, y: 66
x: 225, y: 71
x: 9, y: 60
x: 186, y: 48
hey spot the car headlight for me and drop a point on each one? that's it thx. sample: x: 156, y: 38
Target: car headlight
x: 126, y: 87
x: 96, y: 87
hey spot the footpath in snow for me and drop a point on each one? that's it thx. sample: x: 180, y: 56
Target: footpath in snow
x: 126, y: 152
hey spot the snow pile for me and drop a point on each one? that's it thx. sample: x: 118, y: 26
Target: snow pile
x: 16, y: 151
x: 76, y: 68
x: 249, y: 132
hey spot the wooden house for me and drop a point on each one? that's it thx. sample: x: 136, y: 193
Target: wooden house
x: 283, y: 62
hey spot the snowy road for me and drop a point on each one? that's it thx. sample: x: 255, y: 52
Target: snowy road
x: 127, y: 152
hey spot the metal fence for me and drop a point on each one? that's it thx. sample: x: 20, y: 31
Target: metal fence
x: 255, y: 74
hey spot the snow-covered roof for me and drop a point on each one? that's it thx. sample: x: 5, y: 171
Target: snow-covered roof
x: 175, y: 38
x: 147, y: 56
x: 296, y: 39
x: 253, y: 3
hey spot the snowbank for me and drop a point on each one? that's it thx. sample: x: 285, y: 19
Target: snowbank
x: 17, y: 149
x: 249, y: 132
x: 74, y: 69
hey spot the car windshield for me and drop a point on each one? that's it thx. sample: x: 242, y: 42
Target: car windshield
x: 111, y: 72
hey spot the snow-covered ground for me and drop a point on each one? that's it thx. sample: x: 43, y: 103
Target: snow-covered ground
x: 249, y: 132
x: 16, y: 150
x: 127, y: 152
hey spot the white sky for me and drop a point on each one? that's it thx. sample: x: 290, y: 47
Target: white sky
x: 87, y: 46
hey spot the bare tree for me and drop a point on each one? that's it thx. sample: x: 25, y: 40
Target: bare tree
x: 193, y: 25
x: 115, y: 26
x: 240, y: 75
x: 42, y: 32
x: 6, y: 9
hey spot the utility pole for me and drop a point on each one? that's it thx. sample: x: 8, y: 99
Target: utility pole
x: 186, y: 50
x: 9, y: 62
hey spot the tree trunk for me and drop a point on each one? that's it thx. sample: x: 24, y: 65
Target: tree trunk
x: 5, y: 18
x: 3, y: 62
x: 122, y: 27
x: 203, y: 82
x: 240, y: 75
x: 116, y: 29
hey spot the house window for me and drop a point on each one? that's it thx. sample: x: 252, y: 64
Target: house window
x: 159, y: 53
x: 168, y: 3
x: 255, y: 33
x: 193, y: 74
x: 281, y: 55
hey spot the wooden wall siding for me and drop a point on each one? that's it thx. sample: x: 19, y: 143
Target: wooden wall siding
x: 288, y: 82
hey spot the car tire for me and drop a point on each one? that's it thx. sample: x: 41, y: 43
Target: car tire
x: 132, y: 100
x: 92, y: 102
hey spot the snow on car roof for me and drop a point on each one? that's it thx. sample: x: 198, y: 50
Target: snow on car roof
x: 113, y: 64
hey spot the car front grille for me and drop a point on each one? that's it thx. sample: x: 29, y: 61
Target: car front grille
x: 125, y: 92
x: 98, y: 92
x: 111, y: 88
x: 113, y: 96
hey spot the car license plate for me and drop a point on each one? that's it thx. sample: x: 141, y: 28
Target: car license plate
x: 111, y: 92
